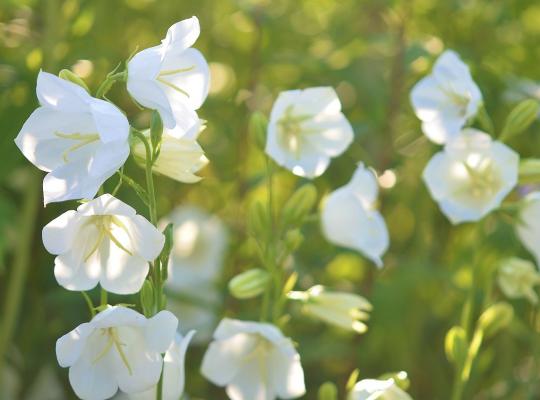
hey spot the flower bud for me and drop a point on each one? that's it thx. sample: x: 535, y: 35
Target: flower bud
x: 68, y: 75
x: 156, y: 131
x: 299, y: 205
x: 344, y: 310
x: 293, y: 240
x: 257, y: 129
x: 520, y: 118
x: 259, y: 224
x: 147, y: 298
x: 517, y: 279
x: 495, y: 318
x: 327, y: 391
x: 249, y: 284
x: 455, y: 345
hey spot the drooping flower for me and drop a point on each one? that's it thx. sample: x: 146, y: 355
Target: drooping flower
x: 472, y: 176
x: 103, y: 241
x: 173, y: 372
x: 307, y: 129
x: 349, y: 217
x: 445, y: 100
x: 118, y: 348
x: 345, y: 310
x: 254, y: 361
x: 79, y: 140
x: 180, y: 156
x: 200, y: 242
x: 171, y: 78
x: 517, y: 279
x: 374, y: 389
x: 528, y: 229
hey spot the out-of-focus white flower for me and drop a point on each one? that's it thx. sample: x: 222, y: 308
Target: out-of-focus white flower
x: 200, y: 241
x: 180, y: 157
x: 528, y: 229
x: 103, y: 241
x: 306, y: 130
x: 517, y: 279
x: 446, y: 99
x: 345, y: 310
x: 79, y: 140
x: 374, y: 389
x: 254, y: 361
x: 349, y: 217
x: 472, y: 176
x: 171, y: 78
x: 118, y: 348
x: 173, y: 373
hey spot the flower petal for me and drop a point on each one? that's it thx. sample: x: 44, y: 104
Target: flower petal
x: 182, y: 35
x: 111, y: 124
x: 286, y: 375
x: 59, y: 234
x: 143, y: 238
x: 160, y: 331
x: 93, y: 380
x: 106, y: 204
x: 71, y: 346
x: 60, y: 94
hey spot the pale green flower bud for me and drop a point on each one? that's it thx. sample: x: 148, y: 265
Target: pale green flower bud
x: 495, y: 318
x: 293, y: 240
x: 455, y: 345
x: 299, y: 205
x: 257, y: 128
x: 517, y: 279
x: 327, y: 391
x: 68, y: 75
x: 249, y: 284
x: 147, y: 298
x: 259, y: 223
x: 344, y: 310
x: 520, y: 118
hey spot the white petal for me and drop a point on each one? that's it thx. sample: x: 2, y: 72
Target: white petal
x: 144, y: 238
x: 364, y: 185
x: 70, y: 346
x: 286, y: 375
x: 149, y: 94
x: 443, y: 128
x: 111, y: 124
x: 61, y: 95
x: 58, y: 235
x: 118, y: 316
x: 251, y: 382
x: 108, y: 158
x: 437, y: 176
x: 334, y: 134
x: 174, y: 369
x: 182, y: 35
x: 105, y: 204
x: 70, y: 182
x: 195, y: 82
x: 318, y: 100
x: 160, y: 331
x: 144, y: 65
x: 122, y: 273
x: 93, y: 380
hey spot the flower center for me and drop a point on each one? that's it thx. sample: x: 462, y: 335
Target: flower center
x: 105, y: 225
x: 81, y: 140
x: 164, y: 73
x: 291, y: 133
x: 113, y: 340
x: 459, y: 99
x: 483, y: 180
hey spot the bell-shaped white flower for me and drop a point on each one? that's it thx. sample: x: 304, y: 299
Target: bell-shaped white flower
x: 445, y: 100
x: 79, y: 140
x: 307, y: 129
x: 180, y: 156
x: 517, y: 279
x: 528, y: 229
x: 374, y: 389
x: 173, y: 373
x: 472, y: 176
x: 118, y: 348
x: 254, y: 361
x: 349, y: 217
x: 171, y: 78
x: 103, y: 241
x: 344, y: 310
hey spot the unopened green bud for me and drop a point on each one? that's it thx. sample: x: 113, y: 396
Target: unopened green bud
x: 496, y: 317
x: 147, y: 298
x: 257, y: 129
x: 299, y: 205
x: 165, y: 253
x: 68, y: 75
x: 327, y: 391
x: 293, y: 240
x: 529, y: 171
x: 156, y: 132
x: 259, y: 223
x: 249, y: 284
x: 455, y: 345
x: 520, y: 118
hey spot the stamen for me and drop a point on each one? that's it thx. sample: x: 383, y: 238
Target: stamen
x: 83, y: 138
x: 173, y: 86
x: 114, y: 340
x: 176, y: 71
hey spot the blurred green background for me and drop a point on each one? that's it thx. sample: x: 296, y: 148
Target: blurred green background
x: 372, y: 52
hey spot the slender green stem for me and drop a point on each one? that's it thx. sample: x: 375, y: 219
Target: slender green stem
x: 19, y: 269
x: 107, y: 84
x: 90, y: 304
